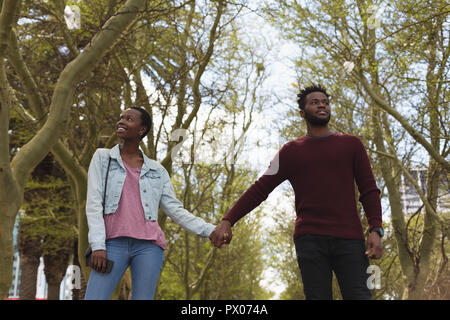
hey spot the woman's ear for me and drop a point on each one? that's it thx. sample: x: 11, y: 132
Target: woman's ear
x: 142, y: 131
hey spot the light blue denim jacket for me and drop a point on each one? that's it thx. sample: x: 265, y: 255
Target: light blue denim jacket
x: 155, y: 188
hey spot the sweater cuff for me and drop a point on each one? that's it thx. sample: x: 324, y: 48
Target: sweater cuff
x: 229, y: 220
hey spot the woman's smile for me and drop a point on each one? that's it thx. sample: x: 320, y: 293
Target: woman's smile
x: 121, y: 128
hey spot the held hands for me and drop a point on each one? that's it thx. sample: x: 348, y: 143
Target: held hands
x: 222, y: 234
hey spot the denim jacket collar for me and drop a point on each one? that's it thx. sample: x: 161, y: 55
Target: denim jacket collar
x: 148, y: 163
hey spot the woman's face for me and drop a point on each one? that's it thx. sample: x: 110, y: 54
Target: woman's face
x: 130, y: 125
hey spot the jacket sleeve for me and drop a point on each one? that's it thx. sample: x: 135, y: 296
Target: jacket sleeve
x: 94, y: 206
x: 175, y: 210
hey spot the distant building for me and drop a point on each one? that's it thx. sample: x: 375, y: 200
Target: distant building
x: 410, y: 198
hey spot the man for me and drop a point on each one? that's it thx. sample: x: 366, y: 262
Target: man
x: 322, y: 168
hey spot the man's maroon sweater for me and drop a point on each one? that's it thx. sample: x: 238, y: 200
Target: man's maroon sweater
x: 322, y: 171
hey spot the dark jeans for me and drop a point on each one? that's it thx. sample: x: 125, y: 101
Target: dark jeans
x: 319, y: 255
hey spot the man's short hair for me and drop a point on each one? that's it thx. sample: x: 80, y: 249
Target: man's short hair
x: 303, y: 93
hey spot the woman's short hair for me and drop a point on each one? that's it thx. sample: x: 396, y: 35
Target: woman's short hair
x: 146, y: 119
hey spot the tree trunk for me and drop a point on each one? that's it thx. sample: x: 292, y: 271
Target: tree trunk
x: 388, y: 171
x: 430, y: 223
x: 78, y: 180
x: 78, y: 294
x: 30, y: 253
x: 10, y: 193
x: 29, y: 266
x: 417, y: 290
x: 55, y: 269
x: 6, y: 247
x: 394, y: 196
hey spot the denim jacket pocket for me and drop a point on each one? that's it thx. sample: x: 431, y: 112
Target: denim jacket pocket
x: 151, y: 189
x: 153, y: 178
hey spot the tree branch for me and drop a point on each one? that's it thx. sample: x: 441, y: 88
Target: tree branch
x: 78, y: 69
x: 408, y: 127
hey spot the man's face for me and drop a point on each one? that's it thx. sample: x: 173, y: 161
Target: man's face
x: 317, y: 109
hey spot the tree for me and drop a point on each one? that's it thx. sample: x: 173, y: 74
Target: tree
x: 365, y: 59
x: 14, y: 174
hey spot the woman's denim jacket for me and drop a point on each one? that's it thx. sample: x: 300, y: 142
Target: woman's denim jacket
x: 155, y: 188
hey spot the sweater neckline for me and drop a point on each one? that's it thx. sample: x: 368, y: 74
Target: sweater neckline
x: 320, y: 137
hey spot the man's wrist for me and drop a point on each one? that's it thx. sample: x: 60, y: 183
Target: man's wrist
x: 226, y: 221
x: 378, y: 230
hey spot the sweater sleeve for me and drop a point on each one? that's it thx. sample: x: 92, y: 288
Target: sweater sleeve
x: 369, y: 192
x: 260, y: 190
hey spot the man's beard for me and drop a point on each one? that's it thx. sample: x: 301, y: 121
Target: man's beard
x: 315, y: 121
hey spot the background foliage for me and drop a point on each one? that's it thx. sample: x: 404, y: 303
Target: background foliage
x: 199, y: 66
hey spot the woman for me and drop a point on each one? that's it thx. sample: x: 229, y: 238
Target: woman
x: 125, y: 229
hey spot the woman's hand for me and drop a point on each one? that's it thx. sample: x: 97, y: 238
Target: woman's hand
x: 222, y: 234
x: 98, y: 260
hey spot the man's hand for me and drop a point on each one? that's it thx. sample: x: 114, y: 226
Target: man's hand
x: 222, y: 234
x: 98, y: 260
x: 374, y: 246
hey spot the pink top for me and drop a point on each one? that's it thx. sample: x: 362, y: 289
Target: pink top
x: 129, y: 218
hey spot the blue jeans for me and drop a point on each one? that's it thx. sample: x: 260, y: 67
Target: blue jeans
x: 318, y: 256
x: 144, y: 258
